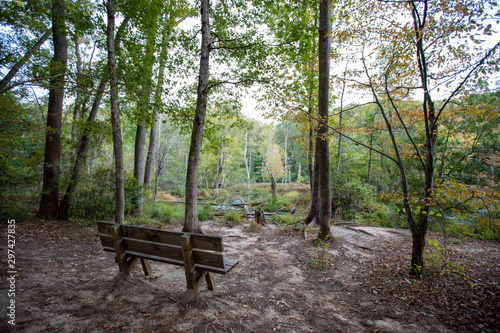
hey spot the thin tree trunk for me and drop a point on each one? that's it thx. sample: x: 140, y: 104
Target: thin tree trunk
x: 286, y: 157
x: 245, y: 156
x: 370, y: 151
x: 115, y: 115
x: 13, y: 71
x: 51, y: 173
x: 81, y: 156
x: 325, y: 205
x: 339, y: 147
x: 78, y: 99
x: 157, y: 99
x: 191, y: 222
x: 273, y: 182
x: 139, y: 167
x: 151, y: 150
x: 315, y: 191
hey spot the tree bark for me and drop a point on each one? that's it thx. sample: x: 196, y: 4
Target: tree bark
x: 81, y: 156
x: 315, y: 190
x: 139, y: 167
x: 51, y: 172
x: 64, y: 209
x: 13, y: 71
x: 191, y: 222
x: 78, y: 99
x: 322, y: 138
x: 151, y: 150
x: 115, y: 116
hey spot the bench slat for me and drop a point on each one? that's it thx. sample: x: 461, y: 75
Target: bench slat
x: 174, y: 252
x: 203, y: 242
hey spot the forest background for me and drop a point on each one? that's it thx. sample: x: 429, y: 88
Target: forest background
x: 57, y: 53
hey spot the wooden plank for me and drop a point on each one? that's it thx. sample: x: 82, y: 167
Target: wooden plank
x: 229, y: 264
x: 209, y: 261
x: 188, y: 258
x: 210, y: 281
x: 104, y: 227
x: 146, y: 266
x: 199, y: 241
x: 122, y: 275
x: 119, y: 247
x: 205, y: 258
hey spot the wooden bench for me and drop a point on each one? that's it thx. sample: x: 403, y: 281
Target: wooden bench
x: 200, y: 255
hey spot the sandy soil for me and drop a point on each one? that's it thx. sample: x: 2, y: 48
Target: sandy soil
x: 63, y: 285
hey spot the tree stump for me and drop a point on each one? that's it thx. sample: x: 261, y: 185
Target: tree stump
x: 260, y: 217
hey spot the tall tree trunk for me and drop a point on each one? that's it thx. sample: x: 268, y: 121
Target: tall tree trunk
x: 78, y: 99
x: 191, y: 222
x: 370, y: 152
x: 150, y: 158
x: 139, y: 167
x: 286, y: 158
x: 322, y: 139
x: 115, y: 116
x: 315, y: 191
x: 83, y: 145
x: 247, y: 160
x: 13, y: 71
x: 81, y: 155
x: 157, y: 99
x: 339, y: 147
x: 51, y: 172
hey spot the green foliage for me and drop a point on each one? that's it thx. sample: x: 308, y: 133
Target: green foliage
x: 253, y: 227
x: 348, y: 196
x: 21, y: 157
x: 167, y: 213
x: 205, y: 212
x: 144, y: 220
x: 95, y: 197
x: 319, y: 256
x: 232, y: 218
x: 285, y: 219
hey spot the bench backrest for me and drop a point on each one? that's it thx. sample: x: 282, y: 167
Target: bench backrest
x: 165, y: 245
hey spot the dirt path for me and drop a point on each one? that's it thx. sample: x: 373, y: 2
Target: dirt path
x: 64, y: 286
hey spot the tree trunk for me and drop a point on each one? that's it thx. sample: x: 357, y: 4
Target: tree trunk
x: 51, y: 173
x: 81, y: 156
x: 260, y: 217
x: 157, y: 99
x: 13, y: 71
x: 325, y: 205
x: 191, y: 222
x: 151, y: 150
x: 139, y: 167
x: 273, y: 182
x: 315, y: 192
x: 370, y: 151
x: 115, y: 115
x: 286, y: 157
x: 247, y: 160
x: 78, y: 99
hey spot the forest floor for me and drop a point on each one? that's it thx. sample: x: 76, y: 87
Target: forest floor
x: 63, y: 284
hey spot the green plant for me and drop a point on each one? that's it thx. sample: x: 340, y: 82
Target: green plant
x: 253, y: 227
x: 205, y: 212
x: 319, y: 256
x: 285, y: 219
x: 232, y: 218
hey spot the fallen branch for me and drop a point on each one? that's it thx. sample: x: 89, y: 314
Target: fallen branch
x: 361, y: 230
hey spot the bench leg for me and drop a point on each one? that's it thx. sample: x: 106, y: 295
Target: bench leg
x: 193, y: 283
x: 123, y: 274
x: 210, y: 278
x: 146, y: 267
